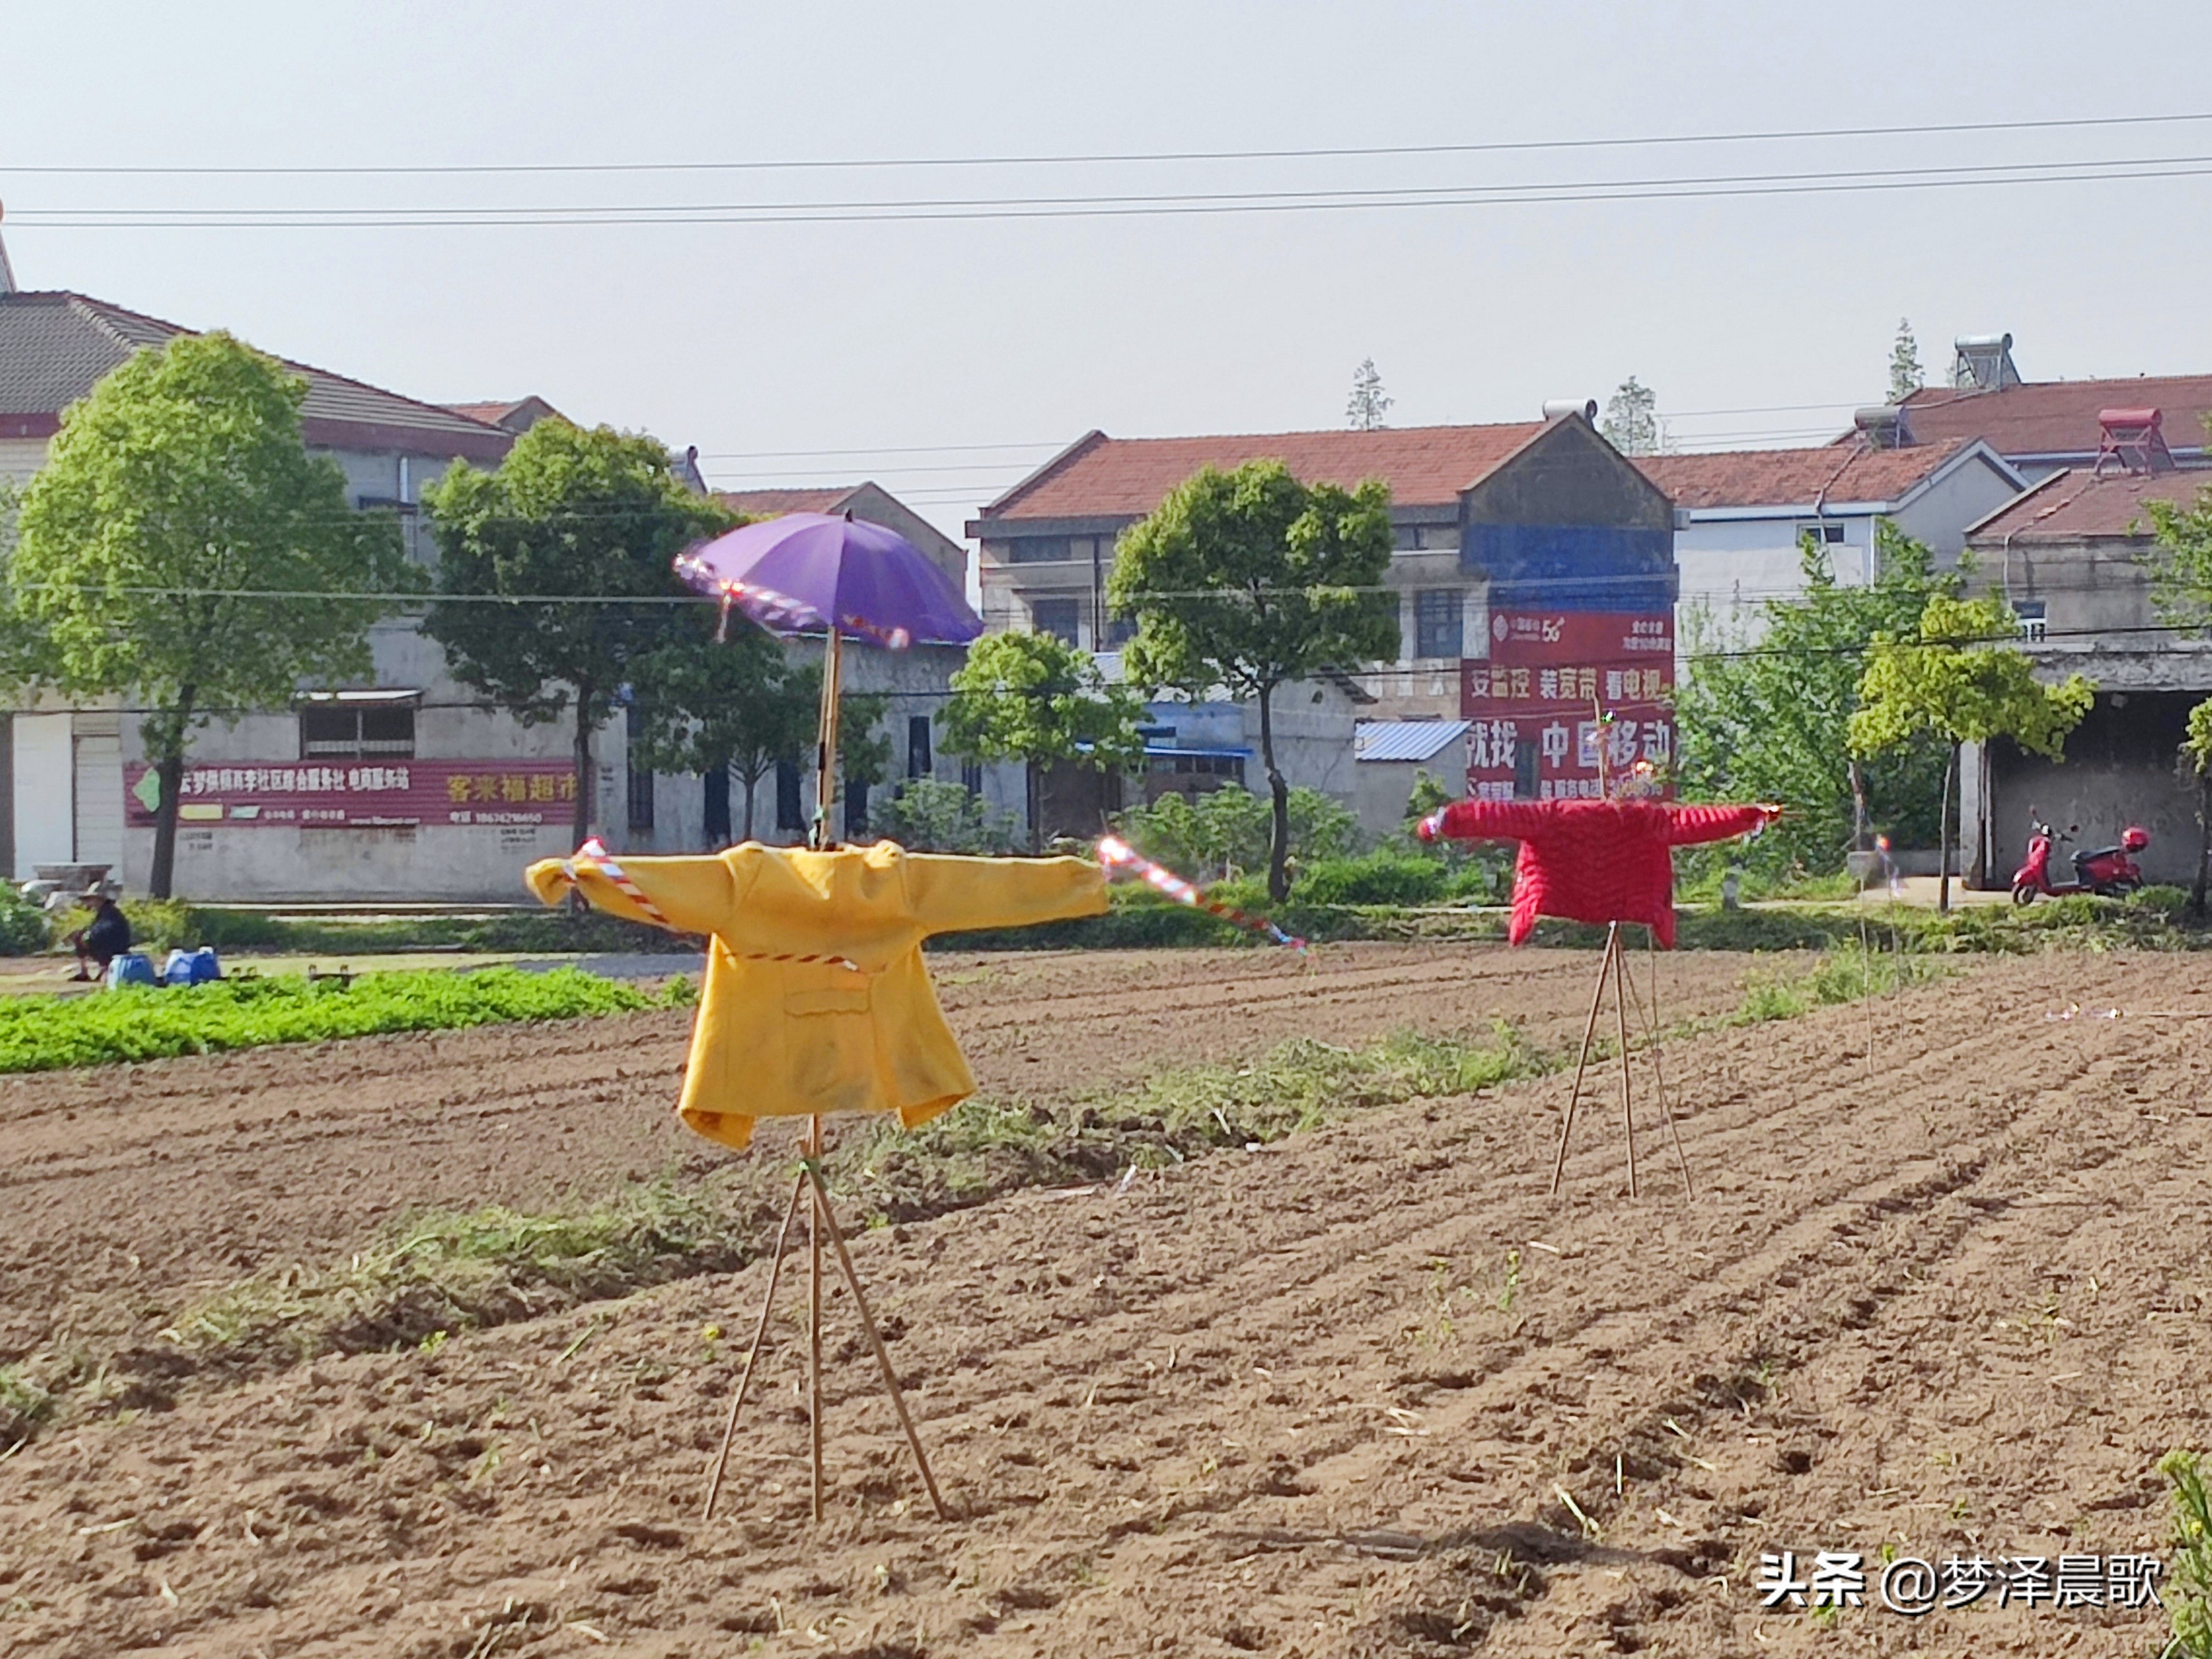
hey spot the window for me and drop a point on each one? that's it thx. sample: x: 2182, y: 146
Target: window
x: 856, y: 808
x: 2034, y: 625
x: 971, y: 777
x: 339, y: 731
x: 1056, y: 618
x: 1119, y: 630
x: 1826, y: 533
x: 1437, y: 612
x: 790, y: 807
x: 1039, y: 549
x: 918, y: 763
x: 1423, y: 537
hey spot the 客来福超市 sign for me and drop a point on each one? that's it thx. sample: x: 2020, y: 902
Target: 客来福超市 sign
x: 358, y: 794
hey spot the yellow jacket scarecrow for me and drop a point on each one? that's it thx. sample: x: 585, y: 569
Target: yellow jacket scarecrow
x: 779, y: 1039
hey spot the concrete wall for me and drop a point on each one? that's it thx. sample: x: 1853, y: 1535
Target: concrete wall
x: 1731, y: 567
x: 2118, y: 770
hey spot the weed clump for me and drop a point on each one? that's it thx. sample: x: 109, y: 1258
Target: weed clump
x: 441, y: 1273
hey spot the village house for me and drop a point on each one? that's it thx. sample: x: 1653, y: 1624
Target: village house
x: 1502, y: 534
x: 1744, y: 518
x: 2071, y: 556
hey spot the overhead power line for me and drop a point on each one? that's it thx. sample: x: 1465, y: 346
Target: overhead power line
x: 436, y: 169
x: 953, y: 208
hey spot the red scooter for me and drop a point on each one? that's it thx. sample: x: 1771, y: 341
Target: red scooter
x: 2108, y: 871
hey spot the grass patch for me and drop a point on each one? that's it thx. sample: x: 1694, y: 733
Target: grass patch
x: 2189, y: 1590
x: 42, y: 1034
x: 1850, y: 973
x: 989, y: 1147
x: 24, y: 1405
x: 442, y: 1273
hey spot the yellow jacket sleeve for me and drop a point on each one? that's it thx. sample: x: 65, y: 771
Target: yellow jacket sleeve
x: 696, y: 894
x: 948, y: 893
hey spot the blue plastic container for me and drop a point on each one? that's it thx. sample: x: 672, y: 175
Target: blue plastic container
x: 131, y: 968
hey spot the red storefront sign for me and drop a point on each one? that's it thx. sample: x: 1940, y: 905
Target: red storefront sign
x: 1534, y: 705
x: 359, y: 794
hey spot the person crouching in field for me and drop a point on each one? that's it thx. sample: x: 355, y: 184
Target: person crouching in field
x: 102, y: 939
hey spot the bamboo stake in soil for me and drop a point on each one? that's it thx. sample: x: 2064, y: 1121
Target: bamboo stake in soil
x: 1589, y: 1029
x: 812, y: 1166
x: 1658, y: 1072
x: 1620, y: 995
x: 760, y: 1331
x: 876, y: 1341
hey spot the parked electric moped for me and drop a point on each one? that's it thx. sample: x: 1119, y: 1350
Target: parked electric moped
x: 2107, y: 871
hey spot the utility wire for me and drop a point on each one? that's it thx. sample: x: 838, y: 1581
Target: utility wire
x: 1497, y: 146
x: 1110, y: 207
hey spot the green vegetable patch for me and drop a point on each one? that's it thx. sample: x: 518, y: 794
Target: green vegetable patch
x: 45, y: 1034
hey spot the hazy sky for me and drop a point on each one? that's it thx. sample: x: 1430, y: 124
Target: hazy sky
x: 910, y: 345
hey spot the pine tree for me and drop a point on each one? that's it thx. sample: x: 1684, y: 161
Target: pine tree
x: 1904, y: 375
x: 1369, y: 403
x: 1632, y: 423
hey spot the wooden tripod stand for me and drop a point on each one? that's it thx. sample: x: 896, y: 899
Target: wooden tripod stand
x: 1614, y: 962
x: 822, y: 1220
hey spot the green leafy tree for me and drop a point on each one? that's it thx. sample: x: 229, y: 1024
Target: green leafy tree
x: 1954, y: 678
x: 1906, y: 377
x: 1770, y: 720
x: 571, y: 514
x: 864, y: 742
x: 1226, y: 832
x: 1248, y: 579
x: 740, y: 705
x: 1630, y: 422
x: 1368, y: 402
x: 2181, y: 561
x: 161, y: 549
x: 1034, y: 699
x: 2197, y: 768
x: 928, y: 816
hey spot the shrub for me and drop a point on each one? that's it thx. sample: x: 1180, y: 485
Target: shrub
x: 1226, y: 832
x: 929, y: 816
x: 24, y: 930
x: 1378, y: 878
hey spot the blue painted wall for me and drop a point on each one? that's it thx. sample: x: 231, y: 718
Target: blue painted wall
x: 1572, y: 566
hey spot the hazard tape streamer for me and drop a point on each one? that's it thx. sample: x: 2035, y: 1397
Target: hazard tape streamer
x: 2076, y: 1011
x: 1117, y: 854
x: 594, y: 856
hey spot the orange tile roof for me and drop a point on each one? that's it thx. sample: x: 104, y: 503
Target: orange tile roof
x: 1789, y: 478
x: 2076, y: 503
x: 2059, y: 417
x: 1123, y: 478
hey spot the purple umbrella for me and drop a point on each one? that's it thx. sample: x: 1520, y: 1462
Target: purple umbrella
x: 810, y: 573
x: 807, y: 573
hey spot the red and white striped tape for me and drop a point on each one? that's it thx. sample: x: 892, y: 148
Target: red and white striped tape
x: 594, y: 856
x: 1117, y: 854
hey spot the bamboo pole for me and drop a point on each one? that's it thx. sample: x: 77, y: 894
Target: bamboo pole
x: 1621, y: 995
x: 760, y: 1332
x: 876, y: 1341
x: 1658, y: 1072
x: 1589, y: 1029
x: 814, y: 1314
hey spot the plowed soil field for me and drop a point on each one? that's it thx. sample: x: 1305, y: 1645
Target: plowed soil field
x: 1944, y: 1288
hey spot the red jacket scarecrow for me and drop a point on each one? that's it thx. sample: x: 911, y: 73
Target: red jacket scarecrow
x: 1594, y: 860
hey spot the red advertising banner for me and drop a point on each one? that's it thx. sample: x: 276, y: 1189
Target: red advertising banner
x: 1535, y: 703
x: 365, y: 794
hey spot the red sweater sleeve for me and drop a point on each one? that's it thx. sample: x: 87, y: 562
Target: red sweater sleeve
x: 1497, y: 820
x: 1688, y: 825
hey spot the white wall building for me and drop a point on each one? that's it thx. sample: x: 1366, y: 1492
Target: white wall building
x: 1743, y: 517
